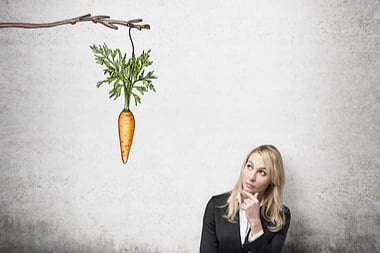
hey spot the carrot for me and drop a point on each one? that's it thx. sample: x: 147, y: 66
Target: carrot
x: 127, y: 77
x: 126, y: 130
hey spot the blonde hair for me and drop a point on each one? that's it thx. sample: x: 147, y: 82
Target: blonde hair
x: 272, y: 209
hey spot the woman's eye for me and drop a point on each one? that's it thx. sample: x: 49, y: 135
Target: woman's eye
x: 249, y: 167
x: 263, y: 172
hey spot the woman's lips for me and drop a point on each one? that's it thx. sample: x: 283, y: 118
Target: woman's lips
x: 250, y: 186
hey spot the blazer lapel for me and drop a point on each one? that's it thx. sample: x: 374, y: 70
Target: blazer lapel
x: 236, y: 232
x: 231, y: 234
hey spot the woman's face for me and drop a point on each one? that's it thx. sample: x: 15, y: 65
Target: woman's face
x: 255, y: 176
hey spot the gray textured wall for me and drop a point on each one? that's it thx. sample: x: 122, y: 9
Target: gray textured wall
x: 303, y: 75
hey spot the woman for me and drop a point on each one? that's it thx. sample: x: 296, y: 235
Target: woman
x: 251, y: 217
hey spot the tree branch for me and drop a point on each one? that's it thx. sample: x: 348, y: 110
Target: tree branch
x: 102, y: 19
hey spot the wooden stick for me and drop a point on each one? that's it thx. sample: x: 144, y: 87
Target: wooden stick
x: 102, y: 19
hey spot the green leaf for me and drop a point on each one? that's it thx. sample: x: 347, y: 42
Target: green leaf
x: 137, y: 98
x: 98, y: 84
x: 141, y: 89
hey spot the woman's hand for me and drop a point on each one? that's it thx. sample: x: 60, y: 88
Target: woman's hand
x: 251, y: 205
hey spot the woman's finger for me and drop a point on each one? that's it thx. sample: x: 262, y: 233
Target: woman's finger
x: 250, y: 195
x: 247, y: 194
x: 248, y: 202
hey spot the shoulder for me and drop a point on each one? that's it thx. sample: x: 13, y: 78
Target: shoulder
x: 215, y: 204
x: 286, y: 212
x: 220, y: 199
x: 216, y: 207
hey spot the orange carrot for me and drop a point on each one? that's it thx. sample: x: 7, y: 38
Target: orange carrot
x: 128, y: 77
x: 126, y: 130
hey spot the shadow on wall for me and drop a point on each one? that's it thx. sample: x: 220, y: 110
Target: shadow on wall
x: 303, y: 238
x: 359, y: 244
x: 300, y: 233
x: 38, y: 236
x: 360, y: 222
x: 18, y: 235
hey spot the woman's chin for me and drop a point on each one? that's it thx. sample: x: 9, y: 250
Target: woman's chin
x: 250, y: 190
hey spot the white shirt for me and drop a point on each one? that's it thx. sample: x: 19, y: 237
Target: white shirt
x: 244, y: 227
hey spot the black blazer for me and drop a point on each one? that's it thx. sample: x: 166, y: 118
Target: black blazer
x: 222, y: 236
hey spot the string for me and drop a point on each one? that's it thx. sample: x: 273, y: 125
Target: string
x: 130, y: 38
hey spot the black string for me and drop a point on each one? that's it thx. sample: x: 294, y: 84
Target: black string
x: 130, y: 37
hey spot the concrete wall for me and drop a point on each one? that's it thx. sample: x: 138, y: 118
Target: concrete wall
x: 302, y: 75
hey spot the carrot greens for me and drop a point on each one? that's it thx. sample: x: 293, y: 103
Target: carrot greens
x: 127, y: 76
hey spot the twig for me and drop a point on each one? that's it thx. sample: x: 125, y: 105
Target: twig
x: 102, y: 19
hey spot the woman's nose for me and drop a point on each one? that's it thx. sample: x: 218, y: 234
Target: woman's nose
x: 252, y: 176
